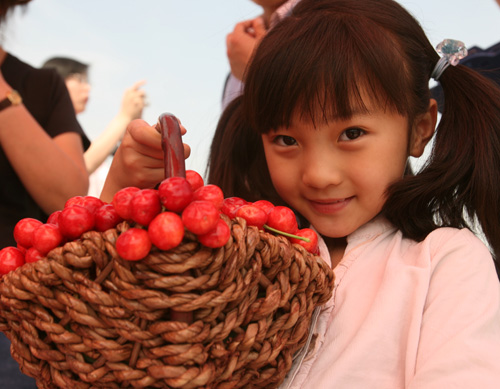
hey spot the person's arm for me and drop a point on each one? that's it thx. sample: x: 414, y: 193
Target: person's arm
x: 459, y: 342
x: 138, y: 161
x: 241, y: 43
x: 131, y: 108
x: 51, y: 169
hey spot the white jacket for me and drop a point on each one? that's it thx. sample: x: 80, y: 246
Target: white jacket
x: 406, y: 315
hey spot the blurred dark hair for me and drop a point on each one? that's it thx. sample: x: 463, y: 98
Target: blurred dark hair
x: 66, y: 66
x: 317, y: 62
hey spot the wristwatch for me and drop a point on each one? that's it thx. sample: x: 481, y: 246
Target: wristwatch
x: 12, y: 98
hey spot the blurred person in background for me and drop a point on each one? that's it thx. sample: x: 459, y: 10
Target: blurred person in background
x: 41, y: 157
x: 76, y: 76
x: 245, y: 37
x: 42, y: 143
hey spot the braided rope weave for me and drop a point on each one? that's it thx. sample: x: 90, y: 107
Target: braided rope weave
x: 85, y: 318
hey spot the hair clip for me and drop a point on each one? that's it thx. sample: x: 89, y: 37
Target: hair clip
x: 452, y: 52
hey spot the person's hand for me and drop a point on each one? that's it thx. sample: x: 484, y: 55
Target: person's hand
x: 242, y: 42
x: 134, y: 101
x: 138, y: 161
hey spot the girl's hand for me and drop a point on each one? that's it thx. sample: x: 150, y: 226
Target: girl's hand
x: 242, y: 42
x: 138, y: 161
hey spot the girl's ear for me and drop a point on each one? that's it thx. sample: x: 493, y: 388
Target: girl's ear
x: 423, y: 129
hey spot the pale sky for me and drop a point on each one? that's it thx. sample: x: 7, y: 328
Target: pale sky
x: 178, y: 47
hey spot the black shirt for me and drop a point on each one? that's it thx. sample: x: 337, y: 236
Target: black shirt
x: 46, y: 97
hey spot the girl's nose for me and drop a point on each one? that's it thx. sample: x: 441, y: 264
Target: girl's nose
x: 320, y: 171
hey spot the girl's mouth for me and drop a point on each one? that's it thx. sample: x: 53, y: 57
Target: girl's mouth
x: 330, y: 206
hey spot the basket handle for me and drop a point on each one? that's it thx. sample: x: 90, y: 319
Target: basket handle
x: 173, y: 160
x: 171, y: 143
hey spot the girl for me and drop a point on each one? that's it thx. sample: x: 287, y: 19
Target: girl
x: 336, y: 100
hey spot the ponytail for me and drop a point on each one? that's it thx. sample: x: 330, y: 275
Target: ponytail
x: 460, y: 183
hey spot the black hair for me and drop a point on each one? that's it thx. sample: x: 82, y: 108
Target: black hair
x: 66, y: 66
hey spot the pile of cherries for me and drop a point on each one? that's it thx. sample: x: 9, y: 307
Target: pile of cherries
x: 158, y: 217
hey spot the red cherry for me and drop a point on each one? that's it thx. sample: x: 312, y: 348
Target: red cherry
x: 75, y: 220
x: 90, y: 202
x: 22, y: 248
x: 283, y: 219
x: 265, y: 205
x: 210, y: 193
x: 32, y: 255
x: 10, y: 259
x: 106, y: 218
x: 312, y: 245
x: 73, y: 201
x: 217, y: 237
x: 254, y: 216
x: 175, y: 193
x: 134, y: 244
x: 166, y: 230
x: 47, y: 237
x: 54, y: 218
x: 23, y: 231
x: 121, y: 201
x: 231, y: 204
x: 195, y: 179
x: 200, y: 217
x: 145, y: 206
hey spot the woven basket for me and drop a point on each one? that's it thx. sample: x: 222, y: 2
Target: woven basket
x: 85, y: 318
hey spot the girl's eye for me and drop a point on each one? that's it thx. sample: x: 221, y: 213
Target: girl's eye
x: 351, y: 134
x: 284, y: 140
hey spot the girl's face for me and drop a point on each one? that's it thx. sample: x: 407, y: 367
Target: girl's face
x: 79, y: 90
x: 336, y: 175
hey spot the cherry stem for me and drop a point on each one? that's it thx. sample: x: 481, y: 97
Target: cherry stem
x: 286, y: 234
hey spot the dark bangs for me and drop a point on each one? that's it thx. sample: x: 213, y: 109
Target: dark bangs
x: 318, y: 65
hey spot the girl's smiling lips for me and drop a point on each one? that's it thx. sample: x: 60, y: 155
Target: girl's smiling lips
x: 330, y: 206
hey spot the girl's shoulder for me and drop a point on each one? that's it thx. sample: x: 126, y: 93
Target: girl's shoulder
x: 454, y: 238
x: 380, y: 242
x: 459, y: 248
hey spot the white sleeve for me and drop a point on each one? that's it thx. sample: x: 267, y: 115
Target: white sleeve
x: 459, y: 345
